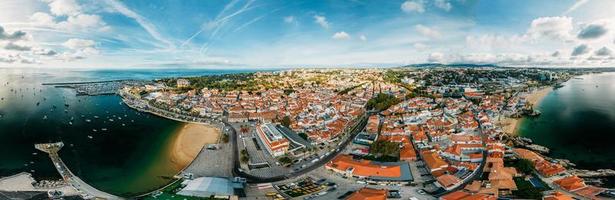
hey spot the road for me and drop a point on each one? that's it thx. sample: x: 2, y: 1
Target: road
x: 254, y: 179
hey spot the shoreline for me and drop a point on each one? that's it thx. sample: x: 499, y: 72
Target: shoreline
x: 510, y: 125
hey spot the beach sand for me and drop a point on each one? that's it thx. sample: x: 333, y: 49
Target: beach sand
x: 511, y: 125
x: 189, y: 141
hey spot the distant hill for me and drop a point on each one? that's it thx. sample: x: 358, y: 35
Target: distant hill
x: 458, y: 65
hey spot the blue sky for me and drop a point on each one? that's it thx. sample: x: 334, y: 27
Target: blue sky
x: 305, y: 33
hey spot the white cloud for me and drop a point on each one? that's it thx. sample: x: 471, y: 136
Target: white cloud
x: 551, y: 27
x: 322, y: 21
x: 341, y: 36
x: 67, y: 15
x: 411, y: 6
x: 363, y: 38
x: 289, y: 19
x: 75, y: 43
x: 42, y: 18
x: 426, y: 31
x: 64, y: 7
x: 435, y: 57
x: 80, y: 49
x: 82, y: 21
x: 420, y: 46
x: 443, y: 4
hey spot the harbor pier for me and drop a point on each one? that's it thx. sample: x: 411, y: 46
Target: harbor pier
x: 87, y: 191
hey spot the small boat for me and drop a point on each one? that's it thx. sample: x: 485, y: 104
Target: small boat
x: 34, y: 153
x: 103, y: 129
x: 88, y: 120
x: 123, y: 124
x: 110, y: 120
x: 89, y: 136
x: 95, y: 117
x: 94, y: 130
x: 70, y: 123
x: 45, y: 117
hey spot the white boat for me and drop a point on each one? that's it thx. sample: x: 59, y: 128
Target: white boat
x: 89, y: 136
x: 45, y: 117
x: 88, y: 120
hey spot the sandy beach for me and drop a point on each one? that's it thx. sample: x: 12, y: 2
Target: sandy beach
x: 511, y: 125
x: 189, y: 141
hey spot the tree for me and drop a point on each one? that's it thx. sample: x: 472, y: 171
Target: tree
x: 286, y: 121
x: 382, y: 101
x: 225, y: 138
x: 303, y: 135
x: 245, y: 157
x: 524, y: 166
x: 384, y: 148
x: 285, y: 160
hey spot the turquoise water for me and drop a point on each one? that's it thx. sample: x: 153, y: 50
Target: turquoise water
x: 578, y: 122
x: 130, y: 158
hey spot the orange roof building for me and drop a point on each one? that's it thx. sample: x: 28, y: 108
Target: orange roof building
x: 527, y: 154
x: 571, y: 183
x: 548, y: 169
x: 369, y: 194
x: 461, y: 195
x: 370, y: 170
x: 274, y: 141
x: 433, y: 160
x: 557, y: 196
x: 448, y: 181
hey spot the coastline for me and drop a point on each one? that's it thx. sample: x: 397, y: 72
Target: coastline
x: 510, y: 125
x: 189, y: 140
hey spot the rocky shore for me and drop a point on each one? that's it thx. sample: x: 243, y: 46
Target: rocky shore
x: 592, y: 173
x: 544, y: 151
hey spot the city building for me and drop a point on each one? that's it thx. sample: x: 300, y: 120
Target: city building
x: 368, y: 194
x: 371, y: 171
x: 274, y: 141
x: 212, y: 186
x: 181, y: 83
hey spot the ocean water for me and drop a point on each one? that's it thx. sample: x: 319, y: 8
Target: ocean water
x: 578, y: 122
x: 131, y: 157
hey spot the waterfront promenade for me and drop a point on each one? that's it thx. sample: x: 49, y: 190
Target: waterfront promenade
x: 86, y: 191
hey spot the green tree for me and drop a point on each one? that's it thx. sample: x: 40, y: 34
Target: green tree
x: 524, y: 166
x: 225, y: 138
x: 384, y: 148
x: 286, y: 121
x: 303, y: 135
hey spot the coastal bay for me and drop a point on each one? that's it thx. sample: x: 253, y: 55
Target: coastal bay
x: 109, y: 145
x: 577, y: 122
x: 511, y: 125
